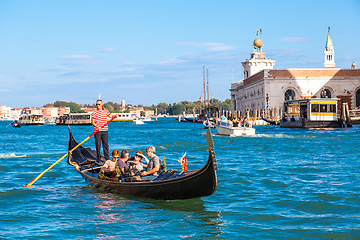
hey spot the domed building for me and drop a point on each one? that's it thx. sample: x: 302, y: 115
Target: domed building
x: 265, y: 88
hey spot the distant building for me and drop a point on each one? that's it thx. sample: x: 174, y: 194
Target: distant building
x: 50, y: 112
x: 31, y: 110
x: 8, y: 113
x: 136, y: 111
x: 265, y: 88
x: 63, y: 110
x: 149, y: 113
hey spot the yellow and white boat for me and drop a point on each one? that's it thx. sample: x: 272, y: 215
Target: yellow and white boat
x: 123, y: 117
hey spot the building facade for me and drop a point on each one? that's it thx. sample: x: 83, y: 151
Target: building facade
x: 265, y: 88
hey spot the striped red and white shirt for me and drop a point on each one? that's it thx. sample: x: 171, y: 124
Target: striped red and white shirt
x: 100, y: 117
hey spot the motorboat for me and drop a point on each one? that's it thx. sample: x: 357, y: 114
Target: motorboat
x: 227, y: 129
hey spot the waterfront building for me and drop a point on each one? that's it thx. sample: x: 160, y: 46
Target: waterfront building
x: 265, y: 88
x: 9, y: 113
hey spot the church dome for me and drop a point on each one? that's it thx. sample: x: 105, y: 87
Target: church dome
x: 258, y: 43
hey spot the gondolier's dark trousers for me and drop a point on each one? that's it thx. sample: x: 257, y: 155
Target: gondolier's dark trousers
x: 102, y: 136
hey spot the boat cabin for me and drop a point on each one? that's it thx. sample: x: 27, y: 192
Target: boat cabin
x: 124, y: 117
x: 310, y: 113
x: 31, y: 119
x: 74, y: 119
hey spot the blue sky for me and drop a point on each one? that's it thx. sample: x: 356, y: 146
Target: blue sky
x: 148, y: 52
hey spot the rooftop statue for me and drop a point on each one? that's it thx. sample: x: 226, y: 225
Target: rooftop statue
x: 257, y: 44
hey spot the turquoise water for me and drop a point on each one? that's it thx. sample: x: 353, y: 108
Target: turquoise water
x: 279, y: 184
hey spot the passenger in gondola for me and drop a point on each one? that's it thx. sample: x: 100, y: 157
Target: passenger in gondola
x: 122, y: 163
x: 109, y: 169
x: 136, y: 166
x: 153, y: 168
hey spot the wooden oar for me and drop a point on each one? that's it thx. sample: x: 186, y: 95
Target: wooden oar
x: 35, y: 179
x: 10, y: 123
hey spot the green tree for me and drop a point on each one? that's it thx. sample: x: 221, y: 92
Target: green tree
x: 74, y: 107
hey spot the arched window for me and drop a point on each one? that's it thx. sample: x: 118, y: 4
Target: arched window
x: 358, y: 98
x: 289, y: 95
x: 325, y: 93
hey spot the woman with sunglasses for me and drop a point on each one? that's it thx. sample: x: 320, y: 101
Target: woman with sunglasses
x: 136, y: 165
x: 110, y: 168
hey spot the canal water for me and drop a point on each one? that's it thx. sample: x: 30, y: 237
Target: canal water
x: 279, y: 184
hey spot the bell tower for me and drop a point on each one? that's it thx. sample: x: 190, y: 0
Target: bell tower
x: 329, y: 52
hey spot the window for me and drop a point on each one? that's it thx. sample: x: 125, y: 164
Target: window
x: 289, y: 95
x: 323, y: 108
x: 358, y: 98
x: 325, y: 93
x: 314, y: 107
x: 332, y: 108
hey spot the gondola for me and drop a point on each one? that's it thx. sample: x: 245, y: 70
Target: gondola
x: 169, y: 185
x: 271, y: 122
x: 15, y: 124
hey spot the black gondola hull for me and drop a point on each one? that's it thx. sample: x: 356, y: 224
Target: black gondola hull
x: 193, y: 184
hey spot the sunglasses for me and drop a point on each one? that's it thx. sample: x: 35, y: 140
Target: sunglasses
x: 116, y: 157
x: 98, y: 104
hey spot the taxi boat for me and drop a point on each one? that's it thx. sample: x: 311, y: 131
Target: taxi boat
x: 227, y: 129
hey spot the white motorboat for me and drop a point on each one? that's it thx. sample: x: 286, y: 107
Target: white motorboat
x: 146, y: 119
x: 138, y: 121
x: 227, y: 129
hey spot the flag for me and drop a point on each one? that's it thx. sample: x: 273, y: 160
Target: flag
x: 200, y: 98
x: 183, y: 162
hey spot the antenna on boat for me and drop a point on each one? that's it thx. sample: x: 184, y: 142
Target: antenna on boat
x: 99, y: 96
x: 207, y: 87
x: 204, y: 86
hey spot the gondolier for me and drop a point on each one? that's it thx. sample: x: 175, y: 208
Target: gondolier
x: 99, y: 118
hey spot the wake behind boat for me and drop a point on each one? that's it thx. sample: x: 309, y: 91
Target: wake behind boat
x: 169, y: 185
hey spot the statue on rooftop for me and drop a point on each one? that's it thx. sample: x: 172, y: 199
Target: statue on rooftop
x: 257, y: 44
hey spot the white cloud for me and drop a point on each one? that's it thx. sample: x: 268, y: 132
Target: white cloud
x: 108, y: 49
x: 213, y: 46
x: 293, y: 39
x: 76, y: 57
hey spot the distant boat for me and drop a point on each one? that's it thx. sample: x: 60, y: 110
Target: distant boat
x: 270, y: 121
x: 227, y: 129
x: 169, y: 185
x: 123, y: 117
x: 31, y: 119
x: 209, y: 124
x: 74, y: 119
x: 138, y: 121
x: 50, y: 120
x: 146, y: 119
x: 355, y: 116
x: 15, y: 124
